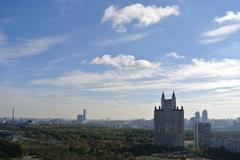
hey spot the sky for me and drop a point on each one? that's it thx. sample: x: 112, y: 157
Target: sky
x: 115, y: 58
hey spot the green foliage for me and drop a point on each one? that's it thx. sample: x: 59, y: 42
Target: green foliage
x: 86, y: 143
x: 220, y: 153
x: 12, y: 149
x: 78, y: 142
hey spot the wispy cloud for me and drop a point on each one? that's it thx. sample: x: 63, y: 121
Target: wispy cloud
x: 126, y: 67
x: 27, y: 47
x: 230, y: 16
x: 198, y: 75
x: 174, y: 55
x: 122, y: 39
x: 95, y: 79
x: 209, y: 82
x: 2, y: 39
x: 211, y: 40
x: 200, y: 68
x: 144, y: 15
x: 219, y: 34
x: 223, y: 32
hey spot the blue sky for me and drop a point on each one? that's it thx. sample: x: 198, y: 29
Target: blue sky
x: 115, y: 58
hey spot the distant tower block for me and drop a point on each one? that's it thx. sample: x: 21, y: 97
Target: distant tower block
x: 197, y: 117
x: 169, y: 123
x: 202, y: 135
x: 205, y: 116
x: 13, y: 115
x: 84, y: 115
x: 82, y: 118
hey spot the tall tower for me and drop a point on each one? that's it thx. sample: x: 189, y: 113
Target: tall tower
x: 13, y: 115
x: 84, y: 115
x: 204, y: 116
x: 169, y: 123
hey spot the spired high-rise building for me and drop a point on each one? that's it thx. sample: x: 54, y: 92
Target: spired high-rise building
x: 169, y: 123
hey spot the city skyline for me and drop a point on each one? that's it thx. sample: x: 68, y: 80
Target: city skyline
x: 116, y: 58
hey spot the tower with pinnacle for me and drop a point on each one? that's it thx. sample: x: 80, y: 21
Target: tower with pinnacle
x: 169, y: 123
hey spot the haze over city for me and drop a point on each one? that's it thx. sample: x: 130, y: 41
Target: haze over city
x: 115, y: 58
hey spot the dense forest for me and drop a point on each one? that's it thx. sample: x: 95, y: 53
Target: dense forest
x: 76, y: 142
x: 61, y: 142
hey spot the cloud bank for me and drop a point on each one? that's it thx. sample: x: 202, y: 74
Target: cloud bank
x: 128, y: 73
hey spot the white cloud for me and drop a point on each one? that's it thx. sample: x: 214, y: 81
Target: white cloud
x: 144, y: 16
x: 202, y: 69
x: 123, y: 39
x: 74, y: 78
x: 222, y: 31
x: 29, y: 47
x: 89, y: 80
x: 200, y: 75
x: 228, y: 17
x: 209, y: 82
x: 123, y: 60
x: 174, y: 55
x: 211, y: 40
x: 219, y: 34
x: 126, y: 68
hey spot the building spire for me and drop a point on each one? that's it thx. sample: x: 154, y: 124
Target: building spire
x: 163, y: 96
x: 173, y: 95
x: 173, y: 101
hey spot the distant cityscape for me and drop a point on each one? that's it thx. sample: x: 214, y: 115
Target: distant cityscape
x: 81, y: 118
x: 168, y: 124
x: 216, y: 124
